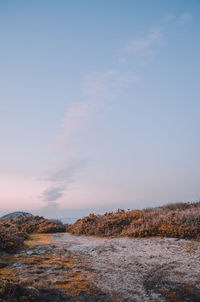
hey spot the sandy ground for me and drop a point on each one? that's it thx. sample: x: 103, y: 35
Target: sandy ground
x: 142, y: 269
x: 154, y: 269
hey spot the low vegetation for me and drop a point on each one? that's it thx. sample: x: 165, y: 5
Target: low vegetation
x: 34, y: 273
x: 16, y: 291
x: 15, y: 231
x: 180, y: 220
x: 11, y: 238
x: 38, y: 224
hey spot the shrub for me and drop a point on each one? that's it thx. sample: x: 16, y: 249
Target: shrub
x: 181, y: 220
x: 39, y: 224
x: 14, y: 232
x: 11, y: 238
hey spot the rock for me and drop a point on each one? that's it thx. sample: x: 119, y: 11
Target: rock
x: 14, y: 215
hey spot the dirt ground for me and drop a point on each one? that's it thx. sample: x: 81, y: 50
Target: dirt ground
x: 117, y: 269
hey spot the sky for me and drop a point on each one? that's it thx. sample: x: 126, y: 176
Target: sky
x: 99, y: 105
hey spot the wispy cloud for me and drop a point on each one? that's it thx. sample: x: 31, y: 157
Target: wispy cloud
x: 98, y: 89
x: 180, y: 20
x: 75, y: 122
x: 66, y: 172
x: 105, y: 85
x: 185, y: 18
x: 53, y: 193
x: 144, y: 46
x: 59, y: 181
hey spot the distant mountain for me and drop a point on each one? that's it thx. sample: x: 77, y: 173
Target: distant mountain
x: 14, y: 215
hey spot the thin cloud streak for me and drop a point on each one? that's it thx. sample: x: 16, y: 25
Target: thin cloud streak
x: 53, y: 193
x: 180, y: 20
x: 104, y: 85
x: 98, y: 89
x: 141, y: 47
x: 75, y: 122
x: 59, y: 181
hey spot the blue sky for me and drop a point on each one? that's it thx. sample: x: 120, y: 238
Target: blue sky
x: 99, y: 105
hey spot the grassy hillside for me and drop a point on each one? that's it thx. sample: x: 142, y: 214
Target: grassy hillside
x: 180, y: 220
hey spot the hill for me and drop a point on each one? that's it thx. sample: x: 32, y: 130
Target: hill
x: 14, y: 215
